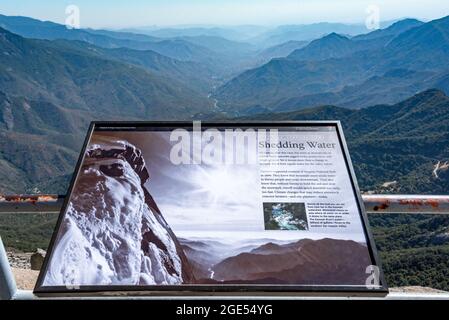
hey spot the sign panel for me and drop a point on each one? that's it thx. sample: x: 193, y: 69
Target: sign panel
x: 213, y: 207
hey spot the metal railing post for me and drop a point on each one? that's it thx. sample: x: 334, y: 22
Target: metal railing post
x: 8, y: 286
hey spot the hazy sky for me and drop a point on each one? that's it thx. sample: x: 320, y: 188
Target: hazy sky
x: 133, y: 13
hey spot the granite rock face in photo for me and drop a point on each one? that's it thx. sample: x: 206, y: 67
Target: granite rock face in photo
x: 113, y: 232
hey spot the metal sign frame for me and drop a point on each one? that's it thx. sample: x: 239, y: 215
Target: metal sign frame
x: 226, y: 289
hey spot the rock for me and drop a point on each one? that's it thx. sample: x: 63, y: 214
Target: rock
x: 113, y: 232
x: 37, y: 259
x: 19, y: 260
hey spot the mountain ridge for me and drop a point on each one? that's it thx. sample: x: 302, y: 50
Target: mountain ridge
x: 383, y: 140
x: 46, y: 72
x: 324, y: 74
x: 46, y: 30
x: 305, y: 261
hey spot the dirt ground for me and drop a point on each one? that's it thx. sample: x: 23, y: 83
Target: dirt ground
x: 415, y: 289
x: 25, y: 278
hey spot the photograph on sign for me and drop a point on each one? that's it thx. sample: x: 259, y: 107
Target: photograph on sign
x: 175, y: 208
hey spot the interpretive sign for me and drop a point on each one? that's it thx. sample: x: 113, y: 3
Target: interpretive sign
x: 176, y: 207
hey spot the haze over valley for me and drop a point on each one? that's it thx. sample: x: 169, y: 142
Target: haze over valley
x: 55, y: 80
x: 389, y: 87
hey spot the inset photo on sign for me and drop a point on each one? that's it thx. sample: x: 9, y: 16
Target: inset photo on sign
x: 285, y: 216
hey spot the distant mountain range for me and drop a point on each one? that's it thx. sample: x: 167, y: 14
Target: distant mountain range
x: 225, y: 50
x: 224, y: 57
x: 240, y: 33
x: 399, y: 143
x: 308, y: 32
x: 324, y: 261
x: 36, y: 29
x: 192, y: 75
x: 384, y: 66
x: 77, y: 79
x: 279, y: 51
x: 262, y: 36
x: 54, y: 81
x: 51, y: 90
